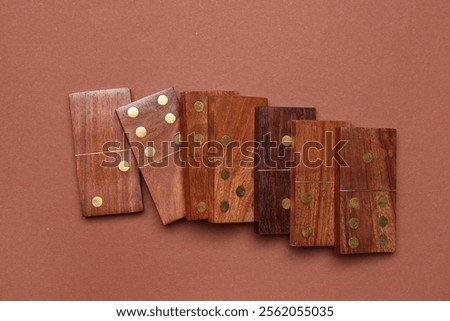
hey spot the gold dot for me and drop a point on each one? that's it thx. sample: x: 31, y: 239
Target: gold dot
x: 240, y: 191
x: 286, y: 140
x: 306, y: 198
x: 355, y: 202
x: 353, y: 223
x: 124, y: 166
x: 150, y: 151
x: 306, y: 231
x: 201, y: 207
x: 199, y: 139
x: 225, y: 173
x: 286, y: 203
x: 97, y: 201
x: 141, y: 132
x: 383, y: 221
x: 170, y: 118
x: 383, y: 239
x: 133, y: 112
x: 382, y: 201
x: 163, y: 100
x: 367, y: 158
x: 198, y: 106
x: 225, y: 140
x: 178, y: 139
x: 353, y: 242
x: 224, y: 206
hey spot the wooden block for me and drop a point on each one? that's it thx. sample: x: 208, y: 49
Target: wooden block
x: 313, y: 182
x: 108, y: 178
x: 366, y: 194
x: 153, y: 127
x: 194, y: 130
x: 272, y: 175
x: 231, y: 133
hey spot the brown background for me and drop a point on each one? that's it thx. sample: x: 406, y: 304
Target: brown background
x: 377, y: 63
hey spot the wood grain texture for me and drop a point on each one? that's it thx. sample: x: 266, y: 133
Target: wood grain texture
x: 164, y: 171
x: 194, y: 130
x: 232, y: 200
x: 313, y: 183
x: 272, y: 174
x: 94, y: 123
x: 366, y: 197
x: 271, y: 214
x: 233, y: 117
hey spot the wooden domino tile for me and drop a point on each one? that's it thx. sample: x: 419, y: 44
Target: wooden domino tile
x: 272, y: 166
x: 366, y: 195
x: 153, y: 128
x: 313, y: 182
x: 108, y: 178
x: 194, y: 130
x: 231, y: 155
